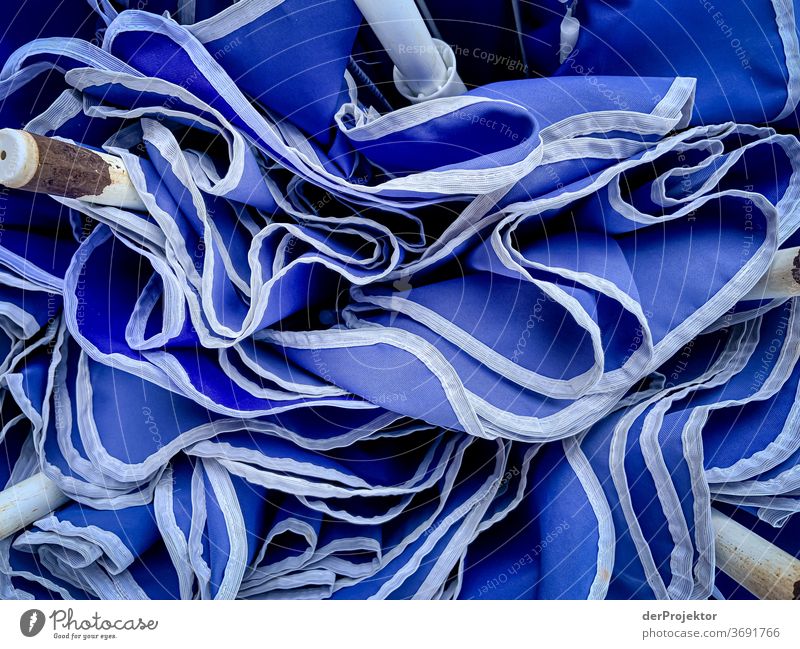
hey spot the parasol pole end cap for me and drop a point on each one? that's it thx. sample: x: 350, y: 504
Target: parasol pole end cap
x: 19, y: 158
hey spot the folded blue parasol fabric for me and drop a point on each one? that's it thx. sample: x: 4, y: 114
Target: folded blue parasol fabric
x: 500, y: 345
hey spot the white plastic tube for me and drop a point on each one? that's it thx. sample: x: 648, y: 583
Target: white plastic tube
x: 27, y: 502
x: 762, y: 568
x: 782, y: 279
x: 49, y: 166
x: 424, y: 67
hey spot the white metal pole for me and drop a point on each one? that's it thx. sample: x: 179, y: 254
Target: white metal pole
x: 782, y: 279
x: 761, y: 567
x: 27, y: 502
x: 425, y: 67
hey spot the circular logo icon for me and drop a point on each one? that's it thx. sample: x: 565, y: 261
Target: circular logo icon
x: 31, y: 622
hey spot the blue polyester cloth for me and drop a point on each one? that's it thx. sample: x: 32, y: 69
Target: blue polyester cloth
x: 500, y: 345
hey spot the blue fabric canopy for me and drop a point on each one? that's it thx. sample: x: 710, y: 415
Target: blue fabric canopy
x: 491, y: 346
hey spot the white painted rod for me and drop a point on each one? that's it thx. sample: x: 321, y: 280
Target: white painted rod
x: 27, y: 502
x: 762, y: 568
x: 782, y: 279
x: 421, y: 63
x: 49, y: 166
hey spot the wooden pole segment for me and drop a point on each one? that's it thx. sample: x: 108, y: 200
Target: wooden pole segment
x: 46, y: 165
